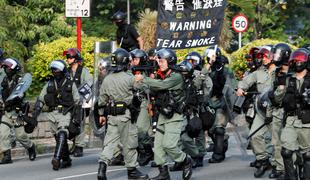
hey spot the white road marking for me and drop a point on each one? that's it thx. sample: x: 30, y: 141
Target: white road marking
x: 87, y: 174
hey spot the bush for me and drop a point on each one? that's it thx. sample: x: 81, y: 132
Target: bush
x: 238, y: 64
x: 43, y: 54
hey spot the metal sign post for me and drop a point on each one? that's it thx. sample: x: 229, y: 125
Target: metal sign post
x: 78, y: 9
x: 240, y: 23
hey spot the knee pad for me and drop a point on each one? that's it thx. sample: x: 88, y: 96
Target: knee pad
x: 219, y: 131
x: 306, y: 156
x: 286, y: 154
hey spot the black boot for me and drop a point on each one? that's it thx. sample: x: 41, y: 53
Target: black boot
x: 290, y: 171
x: 163, y: 173
x: 147, y: 156
x: 275, y: 173
x: 134, y: 173
x: 66, y: 160
x: 6, y: 157
x: 253, y: 163
x: 117, y: 161
x: 177, y: 166
x: 219, y: 146
x: 60, y: 141
x: 198, y: 162
x: 187, y: 168
x: 102, y: 171
x: 306, y: 168
x: 262, y: 167
x: 32, y: 152
x: 78, y: 151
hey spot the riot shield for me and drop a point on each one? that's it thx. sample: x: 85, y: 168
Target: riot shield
x: 262, y: 101
x: 102, y: 52
x: 238, y: 127
x: 20, y: 89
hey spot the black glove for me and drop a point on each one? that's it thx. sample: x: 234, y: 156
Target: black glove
x: 282, y: 79
x: 31, y: 123
x: 268, y: 120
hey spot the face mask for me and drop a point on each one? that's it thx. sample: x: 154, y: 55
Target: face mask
x: 299, y: 68
x: 9, y: 72
x: 216, y: 66
x: 58, y: 75
x: 120, y: 24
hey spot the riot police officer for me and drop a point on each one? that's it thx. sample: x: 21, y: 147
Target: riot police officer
x: 201, y: 85
x: 115, y: 98
x: 263, y: 78
x: 221, y: 77
x: 81, y: 77
x: 10, y: 125
x: 280, y: 54
x: 169, y: 97
x: 293, y: 93
x: 140, y: 58
x: 61, y: 97
x: 127, y: 36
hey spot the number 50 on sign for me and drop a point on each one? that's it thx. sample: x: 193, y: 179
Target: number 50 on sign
x: 240, y: 23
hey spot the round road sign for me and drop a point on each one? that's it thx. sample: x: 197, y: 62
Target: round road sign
x: 240, y: 23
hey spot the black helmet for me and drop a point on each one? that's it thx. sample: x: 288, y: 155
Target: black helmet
x: 120, y: 59
x: 11, y: 64
x: 138, y: 53
x: 73, y: 53
x: 198, y: 62
x: 118, y: 16
x: 152, y: 52
x: 167, y: 54
x: 280, y: 54
x: 186, y: 68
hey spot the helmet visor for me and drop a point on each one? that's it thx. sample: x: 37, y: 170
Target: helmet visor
x: 299, y: 57
x: 276, y: 55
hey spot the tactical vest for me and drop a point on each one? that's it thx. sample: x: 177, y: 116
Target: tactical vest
x: 293, y: 98
x: 62, y: 96
x: 7, y: 88
x: 77, y: 76
x: 218, y: 80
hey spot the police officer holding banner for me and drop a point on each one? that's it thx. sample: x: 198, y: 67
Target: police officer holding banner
x: 126, y: 36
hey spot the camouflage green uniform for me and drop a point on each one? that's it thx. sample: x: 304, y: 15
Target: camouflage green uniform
x: 263, y: 80
x: 197, y: 148
x: 8, y: 134
x: 57, y: 120
x: 118, y: 87
x: 168, y: 131
x: 85, y: 78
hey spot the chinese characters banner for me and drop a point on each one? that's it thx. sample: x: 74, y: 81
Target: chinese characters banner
x: 185, y: 24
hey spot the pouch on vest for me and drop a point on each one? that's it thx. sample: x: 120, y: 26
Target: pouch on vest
x: 193, y: 127
x: 117, y: 108
x: 305, y: 116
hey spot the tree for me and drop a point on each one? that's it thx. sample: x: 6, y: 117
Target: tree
x: 26, y: 23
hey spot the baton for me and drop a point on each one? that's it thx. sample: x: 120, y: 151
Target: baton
x: 259, y: 128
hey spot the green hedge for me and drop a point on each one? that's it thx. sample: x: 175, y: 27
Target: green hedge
x: 44, y: 53
x: 238, y: 64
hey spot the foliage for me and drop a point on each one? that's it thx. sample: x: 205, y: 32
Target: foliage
x: 26, y: 23
x: 44, y: 53
x: 238, y: 64
x: 147, y: 27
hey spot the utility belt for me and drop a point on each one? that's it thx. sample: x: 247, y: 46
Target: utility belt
x: 303, y: 115
x: 59, y: 108
x: 116, y: 108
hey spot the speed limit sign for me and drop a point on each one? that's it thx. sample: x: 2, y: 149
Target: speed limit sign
x: 240, y: 23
